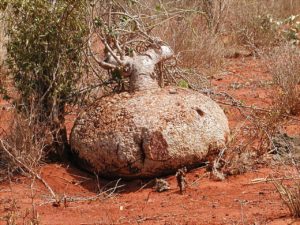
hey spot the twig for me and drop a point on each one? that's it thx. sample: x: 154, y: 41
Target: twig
x: 112, y: 53
x: 199, y: 178
x: 101, y: 63
x: 115, y: 188
x: 242, y: 211
x: 148, y: 218
x: 237, y: 104
x: 145, y: 185
x: 220, y: 155
x: 92, y: 198
x: 98, y: 183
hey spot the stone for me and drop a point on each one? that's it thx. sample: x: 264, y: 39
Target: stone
x: 149, y: 133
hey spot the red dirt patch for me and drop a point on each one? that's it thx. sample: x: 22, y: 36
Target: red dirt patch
x: 233, y: 201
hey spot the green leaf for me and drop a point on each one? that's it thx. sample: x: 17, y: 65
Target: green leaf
x: 98, y: 22
x: 183, y: 84
x: 158, y: 7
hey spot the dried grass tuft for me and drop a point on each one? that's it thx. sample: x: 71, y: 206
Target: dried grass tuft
x: 284, y: 65
x: 290, y: 197
x: 22, y: 147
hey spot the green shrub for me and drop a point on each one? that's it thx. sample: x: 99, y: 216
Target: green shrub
x: 44, y: 56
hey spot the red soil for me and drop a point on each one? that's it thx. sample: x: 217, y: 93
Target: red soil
x: 233, y: 201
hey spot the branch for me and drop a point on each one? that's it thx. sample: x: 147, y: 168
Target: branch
x: 101, y: 63
x: 118, y: 60
x: 120, y: 51
x: 163, y: 53
x: 166, y: 53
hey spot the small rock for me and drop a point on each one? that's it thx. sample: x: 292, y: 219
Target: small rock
x: 161, y: 185
x: 172, y: 91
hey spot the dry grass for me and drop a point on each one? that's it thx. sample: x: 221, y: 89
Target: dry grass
x: 196, y: 48
x: 199, y: 38
x: 249, y: 21
x: 197, y: 41
x: 251, y: 140
x: 15, y: 215
x: 284, y: 65
x: 21, y: 147
x: 2, y: 55
x: 290, y: 196
x: 196, y: 38
x: 202, y: 40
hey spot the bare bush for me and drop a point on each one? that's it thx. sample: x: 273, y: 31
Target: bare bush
x: 23, y: 146
x: 251, y: 140
x: 284, y: 65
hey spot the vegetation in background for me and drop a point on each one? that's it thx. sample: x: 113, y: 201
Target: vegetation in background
x: 251, y: 23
